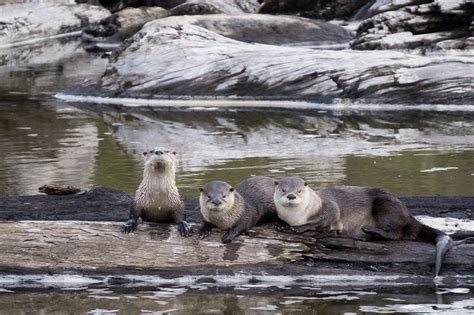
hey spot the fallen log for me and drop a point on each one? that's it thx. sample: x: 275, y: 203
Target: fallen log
x: 87, y: 240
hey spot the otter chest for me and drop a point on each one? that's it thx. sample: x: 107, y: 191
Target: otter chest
x: 293, y: 216
x: 222, y: 219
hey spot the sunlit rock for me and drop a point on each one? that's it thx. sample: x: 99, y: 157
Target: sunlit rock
x: 408, y: 24
x: 123, y: 24
x: 198, y: 7
x: 217, y: 56
x: 34, y: 21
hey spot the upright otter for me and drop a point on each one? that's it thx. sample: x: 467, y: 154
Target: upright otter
x: 363, y: 212
x: 157, y: 198
x: 236, y: 210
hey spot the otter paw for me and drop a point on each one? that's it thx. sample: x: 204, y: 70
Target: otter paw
x: 281, y: 227
x: 185, y: 229
x: 228, y: 237
x: 128, y: 228
x: 204, y: 233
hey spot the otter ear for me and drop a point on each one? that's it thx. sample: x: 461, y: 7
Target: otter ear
x: 305, y: 183
x: 276, y: 183
x: 145, y: 153
x: 201, y: 190
x: 231, y: 189
x: 174, y: 152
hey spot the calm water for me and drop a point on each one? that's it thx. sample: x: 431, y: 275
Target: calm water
x: 46, y: 140
x: 238, y: 300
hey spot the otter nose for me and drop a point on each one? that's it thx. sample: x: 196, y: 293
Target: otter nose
x: 216, y: 202
x: 291, y: 197
x: 157, y: 152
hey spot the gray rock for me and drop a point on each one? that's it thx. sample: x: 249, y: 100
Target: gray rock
x: 32, y: 21
x: 316, y: 9
x: 200, y: 7
x: 123, y: 24
x: 408, y: 24
x: 185, y: 56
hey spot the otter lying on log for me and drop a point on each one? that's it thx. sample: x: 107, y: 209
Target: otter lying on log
x: 361, y: 212
x: 236, y: 210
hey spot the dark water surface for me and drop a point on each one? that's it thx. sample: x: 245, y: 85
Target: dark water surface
x: 46, y: 140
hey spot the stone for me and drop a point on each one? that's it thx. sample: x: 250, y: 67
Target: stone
x: 214, y: 56
x: 20, y: 23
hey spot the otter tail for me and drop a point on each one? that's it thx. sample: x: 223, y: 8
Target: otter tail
x: 443, y: 242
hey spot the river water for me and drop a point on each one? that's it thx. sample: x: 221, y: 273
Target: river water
x: 44, y: 140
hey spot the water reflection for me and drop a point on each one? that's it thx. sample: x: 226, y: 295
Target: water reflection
x: 381, y: 149
x: 237, y: 300
x: 44, y: 139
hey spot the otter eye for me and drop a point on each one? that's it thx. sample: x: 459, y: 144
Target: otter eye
x: 283, y: 190
x: 223, y: 196
x: 209, y: 196
x: 299, y: 191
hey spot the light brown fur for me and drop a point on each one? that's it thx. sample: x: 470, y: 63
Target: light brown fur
x: 361, y: 212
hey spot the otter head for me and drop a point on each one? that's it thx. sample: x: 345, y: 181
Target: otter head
x: 160, y: 160
x: 290, y: 192
x: 217, y: 196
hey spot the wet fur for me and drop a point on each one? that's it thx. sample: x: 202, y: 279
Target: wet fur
x: 252, y: 202
x: 157, y: 198
x: 362, y: 212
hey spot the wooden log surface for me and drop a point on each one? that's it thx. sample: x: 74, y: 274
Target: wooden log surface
x: 81, y: 233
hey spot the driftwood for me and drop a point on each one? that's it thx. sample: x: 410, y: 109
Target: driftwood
x: 81, y: 233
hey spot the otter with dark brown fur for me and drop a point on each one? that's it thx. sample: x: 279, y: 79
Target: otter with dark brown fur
x: 362, y: 212
x: 236, y: 210
x: 157, y: 198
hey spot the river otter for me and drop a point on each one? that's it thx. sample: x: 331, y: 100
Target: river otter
x: 362, y: 212
x: 157, y: 198
x: 236, y: 210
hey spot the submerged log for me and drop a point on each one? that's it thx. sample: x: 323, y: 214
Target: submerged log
x: 29, y: 230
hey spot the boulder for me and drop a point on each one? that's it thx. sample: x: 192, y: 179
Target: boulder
x: 33, y: 21
x: 409, y: 24
x: 123, y: 24
x: 214, y: 56
x: 200, y: 7
x: 317, y: 9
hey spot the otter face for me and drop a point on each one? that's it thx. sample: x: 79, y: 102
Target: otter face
x: 289, y: 192
x: 160, y: 159
x: 217, y: 196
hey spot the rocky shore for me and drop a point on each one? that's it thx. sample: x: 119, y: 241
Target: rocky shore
x: 230, y: 48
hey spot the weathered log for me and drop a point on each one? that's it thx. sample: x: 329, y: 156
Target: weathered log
x: 99, y: 249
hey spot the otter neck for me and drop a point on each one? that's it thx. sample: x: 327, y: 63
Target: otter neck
x: 310, y: 205
x: 158, y: 179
